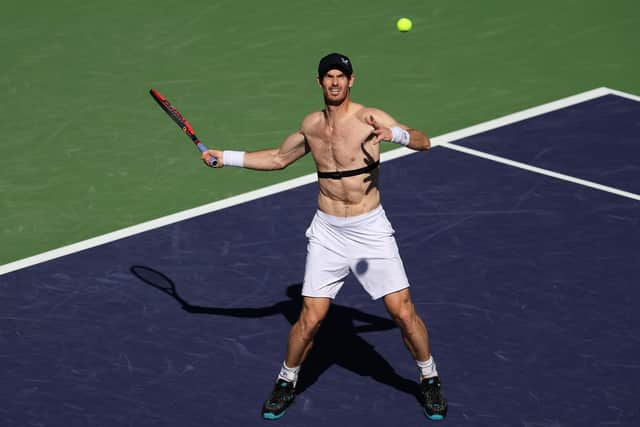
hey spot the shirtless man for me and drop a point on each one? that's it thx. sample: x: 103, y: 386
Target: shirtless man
x: 350, y: 231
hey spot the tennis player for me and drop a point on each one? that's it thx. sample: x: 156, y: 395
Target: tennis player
x: 350, y: 231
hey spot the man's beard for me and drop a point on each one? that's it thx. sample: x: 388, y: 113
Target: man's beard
x: 334, y: 101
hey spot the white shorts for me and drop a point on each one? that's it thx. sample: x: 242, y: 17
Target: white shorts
x: 363, y: 244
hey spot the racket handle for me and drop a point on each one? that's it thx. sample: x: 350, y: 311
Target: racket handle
x: 213, y: 161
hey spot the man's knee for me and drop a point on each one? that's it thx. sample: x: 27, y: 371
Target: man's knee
x: 402, y: 310
x: 309, y: 324
x: 404, y: 314
x: 310, y: 319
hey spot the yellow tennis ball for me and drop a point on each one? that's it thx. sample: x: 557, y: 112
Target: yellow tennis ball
x: 404, y: 24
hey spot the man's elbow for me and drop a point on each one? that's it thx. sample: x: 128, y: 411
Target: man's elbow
x: 279, y: 163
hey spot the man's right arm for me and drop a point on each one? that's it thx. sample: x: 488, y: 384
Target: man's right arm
x: 292, y: 148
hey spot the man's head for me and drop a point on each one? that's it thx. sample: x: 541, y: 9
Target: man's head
x: 334, y: 61
x: 335, y: 76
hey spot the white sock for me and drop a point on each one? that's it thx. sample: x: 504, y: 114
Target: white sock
x: 289, y: 374
x: 427, y: 369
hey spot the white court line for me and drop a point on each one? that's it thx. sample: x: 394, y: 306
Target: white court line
x: 624, y: 94
x: 541, y: 171
x: 443, y: 140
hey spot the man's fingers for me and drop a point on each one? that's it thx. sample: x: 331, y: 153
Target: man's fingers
x: 377, y: 135
x: 377, y: 138
x: 206, y: 157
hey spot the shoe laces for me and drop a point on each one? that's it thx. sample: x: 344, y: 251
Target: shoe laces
x: 431, y: 390
x: 282, y: 390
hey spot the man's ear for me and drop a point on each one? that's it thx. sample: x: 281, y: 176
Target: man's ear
x: 352, y: 80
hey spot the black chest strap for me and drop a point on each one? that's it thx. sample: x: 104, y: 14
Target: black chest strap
x: 344, y: 174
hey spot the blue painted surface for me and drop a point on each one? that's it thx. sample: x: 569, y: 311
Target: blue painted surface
x: 598, y: 140
x: 529, y: 286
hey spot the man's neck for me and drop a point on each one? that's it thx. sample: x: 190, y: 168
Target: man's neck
x: 332, y: 112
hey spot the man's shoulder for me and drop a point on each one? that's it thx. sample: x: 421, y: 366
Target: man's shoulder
x: 311, y: 120
x: 367, y: 111
x: 376, y: 113
x: 314, y: 116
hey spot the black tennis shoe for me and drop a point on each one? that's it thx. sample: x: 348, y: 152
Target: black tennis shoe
x: 433, y: 402
x: 281, y: 397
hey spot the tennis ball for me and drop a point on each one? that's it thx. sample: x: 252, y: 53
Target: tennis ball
x: 404, y: 24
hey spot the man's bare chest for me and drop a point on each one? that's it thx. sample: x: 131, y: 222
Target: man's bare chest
x: 343, y: 146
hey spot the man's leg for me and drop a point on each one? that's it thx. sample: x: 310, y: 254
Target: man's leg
x: 416, y: 338
x: 302, y: 332
x: 300, y: 342
x: 414, y: 332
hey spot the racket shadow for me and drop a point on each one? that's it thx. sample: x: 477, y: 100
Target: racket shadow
x: 337, y: 342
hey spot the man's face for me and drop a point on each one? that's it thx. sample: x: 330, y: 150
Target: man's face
x: 335, y: 86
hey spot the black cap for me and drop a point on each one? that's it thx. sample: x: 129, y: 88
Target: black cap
x: 335, y: 61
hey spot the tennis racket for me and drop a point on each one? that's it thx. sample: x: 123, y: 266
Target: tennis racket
x: 181, y: 122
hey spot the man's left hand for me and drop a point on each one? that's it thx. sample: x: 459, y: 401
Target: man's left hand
x: 382, y: 133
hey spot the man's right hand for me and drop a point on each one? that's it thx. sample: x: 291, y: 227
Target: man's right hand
x: 207, y: 155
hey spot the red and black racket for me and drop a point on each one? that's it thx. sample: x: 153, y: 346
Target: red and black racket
x: 181, y: 122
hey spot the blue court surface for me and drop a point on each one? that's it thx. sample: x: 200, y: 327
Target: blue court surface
x: 529, y: 286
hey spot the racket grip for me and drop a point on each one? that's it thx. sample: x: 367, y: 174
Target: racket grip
x: 213, y: 161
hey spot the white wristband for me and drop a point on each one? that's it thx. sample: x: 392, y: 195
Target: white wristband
x: 399, y: 136
x: 233, y: 158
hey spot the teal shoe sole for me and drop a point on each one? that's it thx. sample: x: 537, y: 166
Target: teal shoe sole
x: 270, y: 416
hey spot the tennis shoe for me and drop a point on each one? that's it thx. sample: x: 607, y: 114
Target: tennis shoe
x: 433, y: 402
x: 281, y: 397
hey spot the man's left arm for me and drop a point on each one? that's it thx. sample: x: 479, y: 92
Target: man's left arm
x: 386, y: 128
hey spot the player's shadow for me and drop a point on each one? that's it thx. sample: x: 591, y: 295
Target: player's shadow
x: 337, y: 342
